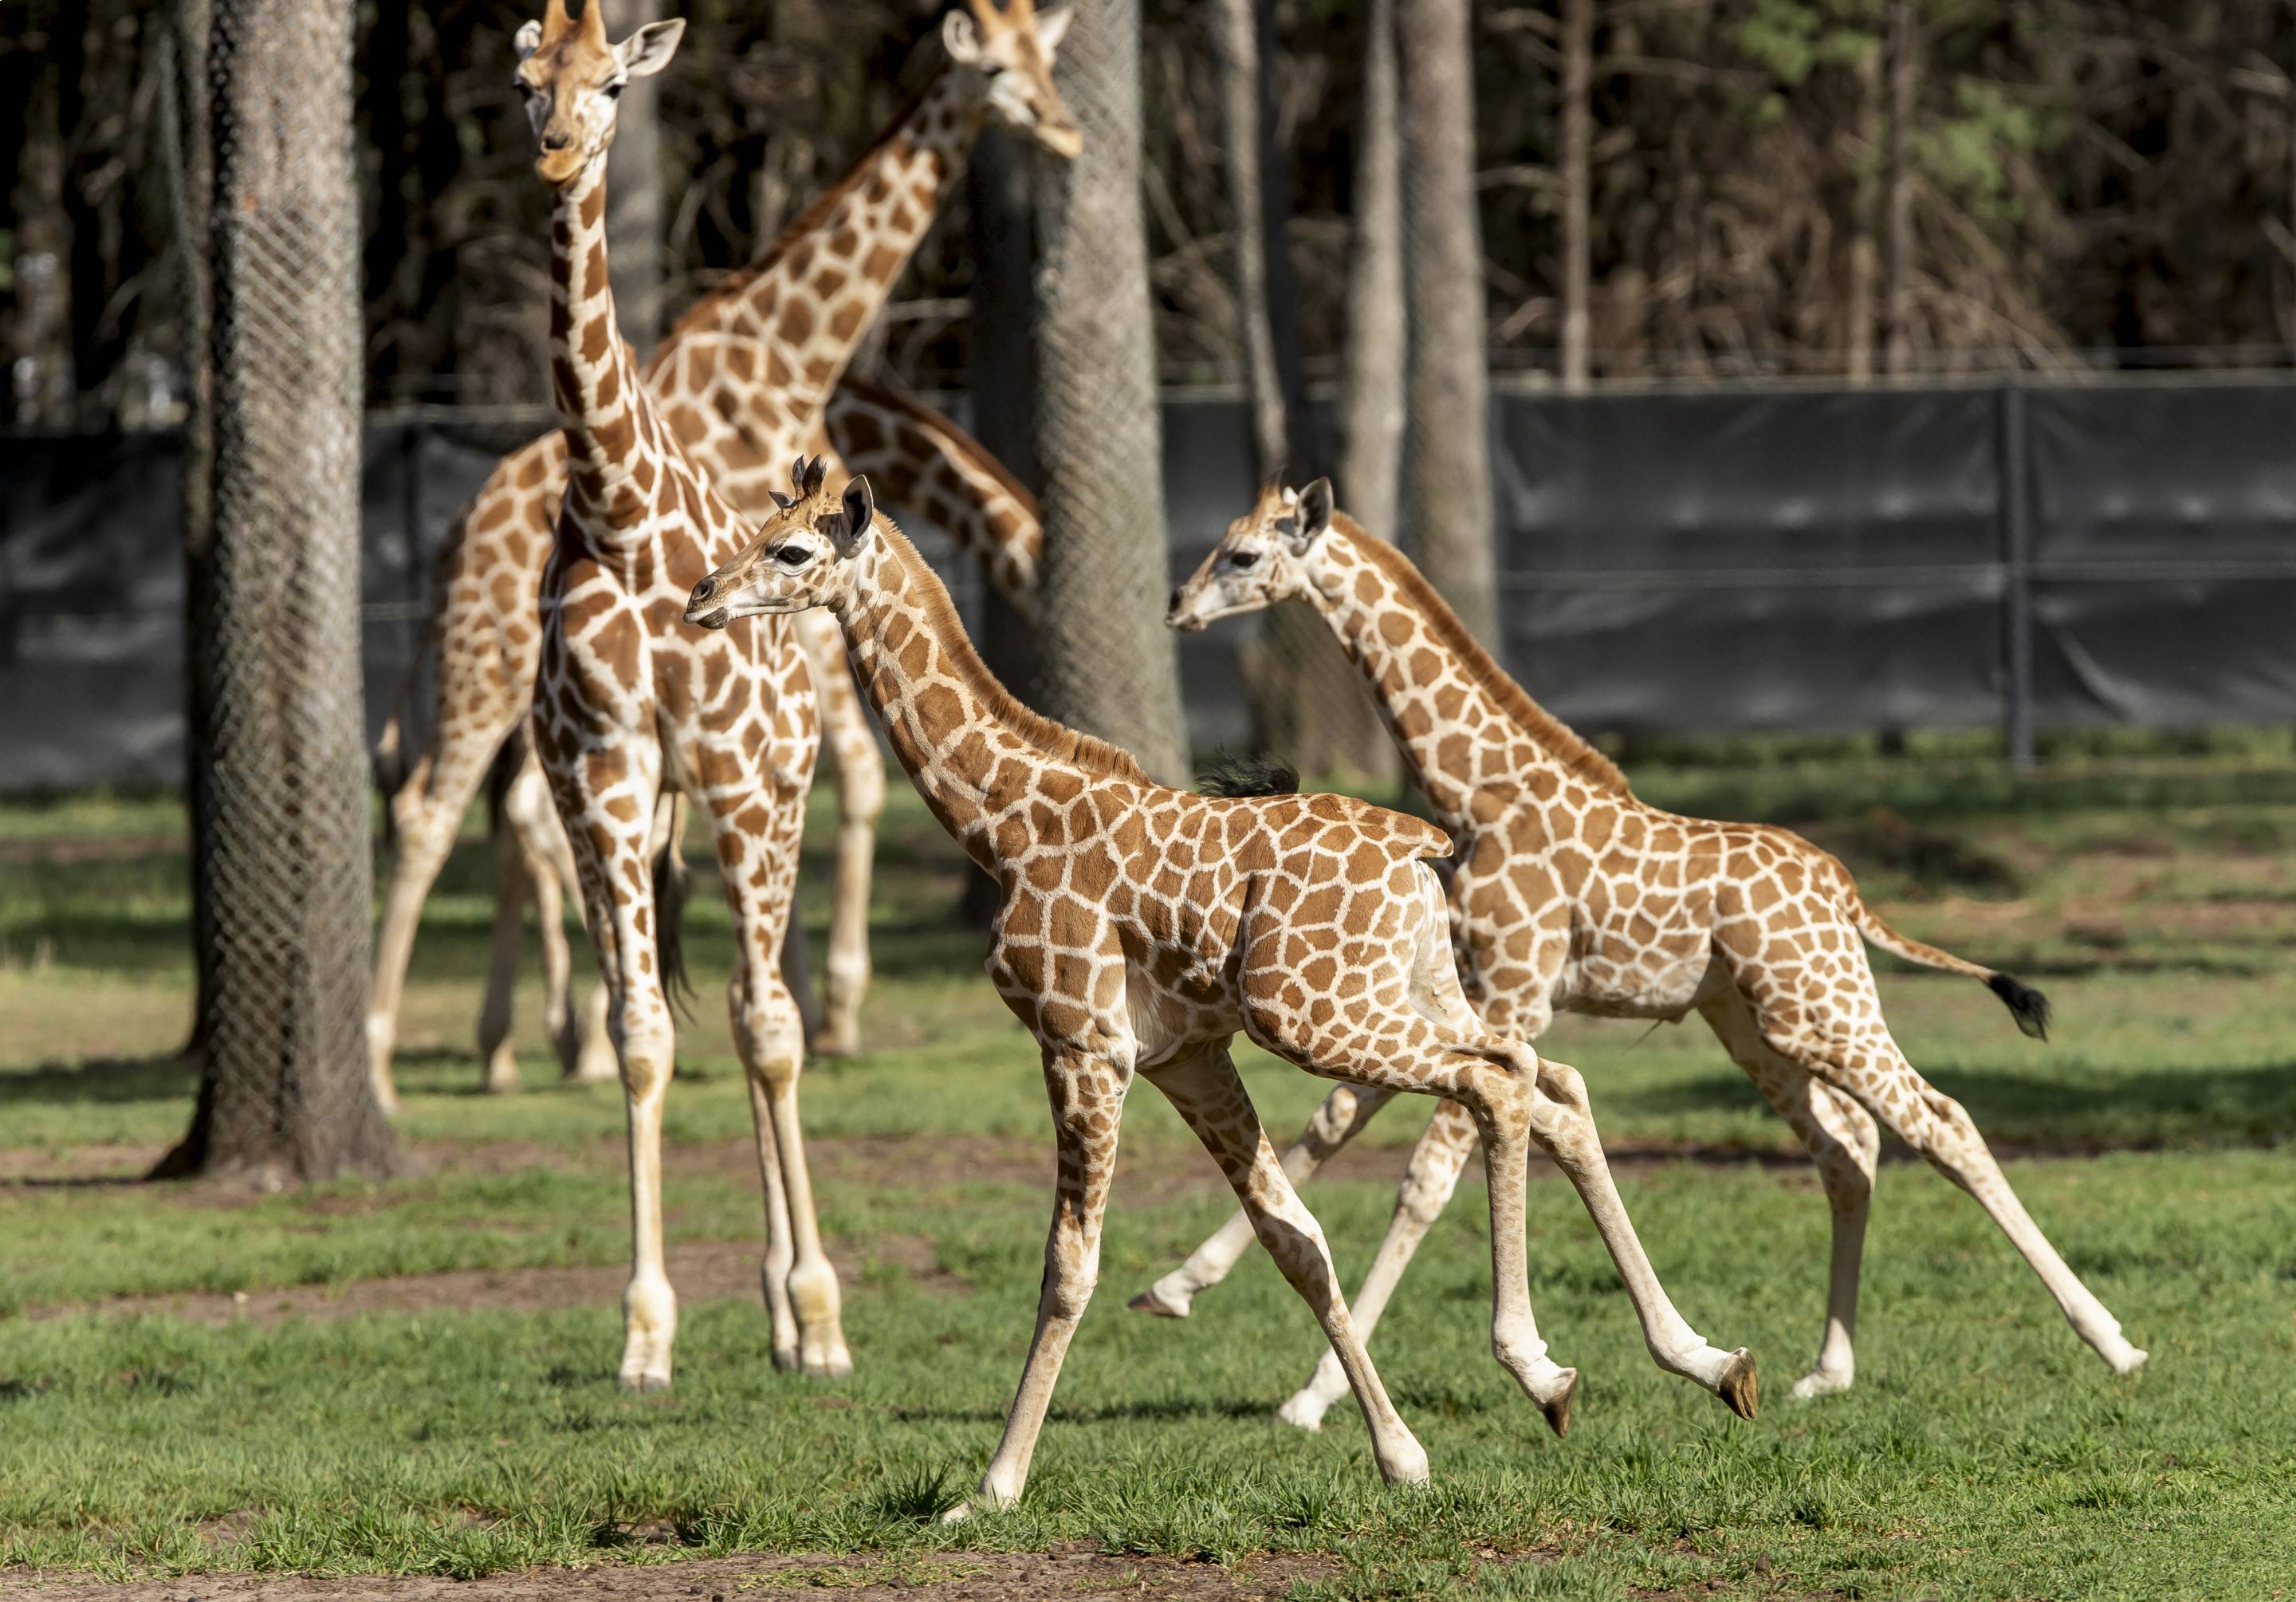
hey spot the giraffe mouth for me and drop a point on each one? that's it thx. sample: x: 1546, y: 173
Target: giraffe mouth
x: 717, y: 617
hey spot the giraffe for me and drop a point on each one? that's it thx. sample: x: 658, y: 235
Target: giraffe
x: 742, y: 378
x: 1572, y: 895
x: 1140, y: 927
x: 630, y: 703
x: 960, y: 487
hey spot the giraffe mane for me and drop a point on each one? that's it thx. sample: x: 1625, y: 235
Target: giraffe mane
x: 704, y: 312
x: 1054, y: 740
x: 1542, y: 726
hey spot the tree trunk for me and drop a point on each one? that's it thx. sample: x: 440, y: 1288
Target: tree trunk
x: 1858, y: 292
x: 1306, y: 701
x: 1446, y: 465
x: 1371, y: 391
x: 634, y: 211
x: 1003, y: 388
x: 1110, y: 668
x: 1904, y: 45
x: 1577, y: 187
x: 284, y: 1094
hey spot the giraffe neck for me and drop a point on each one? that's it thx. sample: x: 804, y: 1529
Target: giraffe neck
x: 809, y: 299
x: 974, y: 752
x: 601, y: 405
x: 1447, y: 702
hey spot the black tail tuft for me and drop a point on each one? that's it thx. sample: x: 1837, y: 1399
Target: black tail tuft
x: 2027, y: 1005
x: 1231, y: 777
x: 671, y: 885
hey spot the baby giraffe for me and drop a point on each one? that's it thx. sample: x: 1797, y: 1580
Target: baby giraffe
x: 1572, y: 896
x: 1140, y: 927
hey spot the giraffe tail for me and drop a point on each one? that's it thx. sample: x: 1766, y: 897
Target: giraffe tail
x: 2027, y: 1005
x: 672, y: 883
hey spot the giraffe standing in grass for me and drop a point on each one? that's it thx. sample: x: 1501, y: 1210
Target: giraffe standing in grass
x: 743, y: 380
x: 1142, y: 927
x: 1570, y: 895
x: 631, y: 703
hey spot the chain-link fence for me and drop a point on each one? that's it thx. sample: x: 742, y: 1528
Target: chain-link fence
x: 271, y: 512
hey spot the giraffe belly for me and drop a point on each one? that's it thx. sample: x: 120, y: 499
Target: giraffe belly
x: 1646, y: 985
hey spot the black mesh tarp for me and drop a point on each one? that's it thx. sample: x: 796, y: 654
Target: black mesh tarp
x: 1709, y: 562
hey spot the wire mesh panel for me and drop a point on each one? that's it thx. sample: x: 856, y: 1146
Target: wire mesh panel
x: 282, y: 864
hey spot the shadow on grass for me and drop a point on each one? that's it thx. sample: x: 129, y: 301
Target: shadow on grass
x: 1169, y: 1411
x: 111, y: 1081
x: 2076, y: 1115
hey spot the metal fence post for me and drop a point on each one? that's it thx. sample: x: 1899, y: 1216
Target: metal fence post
x: 2017, y: 586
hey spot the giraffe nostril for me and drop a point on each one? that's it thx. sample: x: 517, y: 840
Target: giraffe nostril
x: 556, y: 140
x: 704, y: 590
x: 1173, y: 606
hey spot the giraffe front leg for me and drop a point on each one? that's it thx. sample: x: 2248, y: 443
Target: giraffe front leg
x: 1428, y: 1182
x: 758, y: 866
x: 1087, y: 1092
x: 1204, y: 1088
x: 1338, y: 1120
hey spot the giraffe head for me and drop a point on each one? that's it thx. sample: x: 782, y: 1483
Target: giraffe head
x: 1268, y: 555
x: 803, y: 556
x: 569, y: 77
x: 1011, y: 51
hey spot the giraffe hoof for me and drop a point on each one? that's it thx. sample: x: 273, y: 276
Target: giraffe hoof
x: 1303, y: 1411
x: 834, y: 1043
x: 1155, y: 1301
x: 1819, y: 1383
x: 958, y: 1514
x: 2130, y: 1361
x: 645, y: 1383
x: 786, y: 1360
x: 1557, y: 1407
x: 836, y: 1365
x: 1738, y: 1387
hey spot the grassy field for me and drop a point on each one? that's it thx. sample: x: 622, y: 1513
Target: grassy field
x: 416, y: 1378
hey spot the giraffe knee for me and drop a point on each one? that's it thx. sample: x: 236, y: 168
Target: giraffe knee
x: 1564, y: 1083
x: 647, y: 1056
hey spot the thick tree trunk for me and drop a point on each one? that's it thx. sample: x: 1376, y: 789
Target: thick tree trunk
x: 284, y: 1094
x: 1110, y: 668
x: 1904, y: 45
x: 1447, y: 463
x: 1003, y: 388
x: 634, y: 209
x: 1577, y: 188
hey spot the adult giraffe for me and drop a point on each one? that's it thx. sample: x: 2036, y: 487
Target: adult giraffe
x: 629, y: 700
x: 1142, y: 927
x: 742, y: 380
x: 1572, y: 895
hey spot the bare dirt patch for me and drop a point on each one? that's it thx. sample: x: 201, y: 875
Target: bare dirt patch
x: 710, y: 1272
x: 1065, y: 1571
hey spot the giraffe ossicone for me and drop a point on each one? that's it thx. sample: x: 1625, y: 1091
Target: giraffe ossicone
x: 1140, y: 928
x: 1569, y: 894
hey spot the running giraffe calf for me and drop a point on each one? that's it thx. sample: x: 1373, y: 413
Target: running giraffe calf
x: 1570, y: 895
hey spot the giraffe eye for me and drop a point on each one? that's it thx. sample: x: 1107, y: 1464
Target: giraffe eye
x: 1244, y: 559
x: 790, y: 555
x: 614, y: 91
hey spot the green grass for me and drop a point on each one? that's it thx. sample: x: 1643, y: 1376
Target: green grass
x: 1984, y: 1453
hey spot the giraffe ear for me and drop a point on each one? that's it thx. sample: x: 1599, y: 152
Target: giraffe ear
x: 648, y: 51
x: 860, y: 512
x: 526, y: 40
x: 1051, y: 25
x: 1312, y: 517
x: 959, y: 38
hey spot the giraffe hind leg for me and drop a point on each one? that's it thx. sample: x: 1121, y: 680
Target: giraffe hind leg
x: 1845, y: 1145
x: 1862, y: 1061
